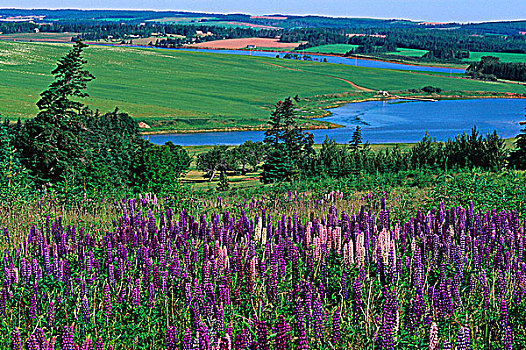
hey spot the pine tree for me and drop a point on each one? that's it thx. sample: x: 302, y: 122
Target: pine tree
x: 356, y: 139
x: 51, y: 144
x: 518, y: 156
x: 223, y: 184
x: 70, y: 81
x: 289, y: 149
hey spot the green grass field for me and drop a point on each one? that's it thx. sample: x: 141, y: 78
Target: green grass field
x: 474, y: 56
x: 505, y: 57
x: 332, y: 48
x: 409, y: 52
x: 175, y: 90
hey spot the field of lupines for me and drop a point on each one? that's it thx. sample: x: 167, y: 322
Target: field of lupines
x: 327, y: 273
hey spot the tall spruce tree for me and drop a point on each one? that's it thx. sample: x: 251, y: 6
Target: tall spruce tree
x: 518, y: 156
x: 50, y: 144
x: 289, y: 149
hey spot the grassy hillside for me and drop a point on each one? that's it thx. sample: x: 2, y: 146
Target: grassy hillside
x: 332, y: 48
x: 188, y: 90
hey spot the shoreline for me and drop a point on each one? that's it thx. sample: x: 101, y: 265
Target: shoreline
x: 327, y: 113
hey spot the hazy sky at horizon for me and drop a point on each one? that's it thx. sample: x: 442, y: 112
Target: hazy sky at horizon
x: 431, y: 10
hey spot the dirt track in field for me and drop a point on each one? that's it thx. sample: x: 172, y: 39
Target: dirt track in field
x: 357, y: 87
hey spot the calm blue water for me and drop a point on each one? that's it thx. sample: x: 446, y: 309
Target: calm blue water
x: 337, y: 59
x: 391, y: 121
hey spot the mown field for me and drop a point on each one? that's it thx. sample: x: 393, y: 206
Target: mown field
x: 176, y: 90
x: 474, y: 56
x: 332, y: 48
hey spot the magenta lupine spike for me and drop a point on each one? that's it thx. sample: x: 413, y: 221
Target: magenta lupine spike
x: 111, y: 275
x: 39, y: 336
x: 171, y: 338
x: 67, y: 338
x: 34, y: 302
x: 282, y: 338
x: 15, y: 339
x: 318, y: 318
x: 187, y: 340
x: 343, y: 285
x: 151, y: 296
x: 88, y: 345
x: 99, y: 345
x: 262, y: 333
x: 3, y: 302
x: 32, y: 343
x: 336, y: 327
x: 107, y: 302
x: 467, y: 337
x: 303, y: 343
x: 51, y: 314
x: 85, y: 310
x: 433, y: 337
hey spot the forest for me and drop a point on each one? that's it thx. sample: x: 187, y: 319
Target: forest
x: 491, y: 68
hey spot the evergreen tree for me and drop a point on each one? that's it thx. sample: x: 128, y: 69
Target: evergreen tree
x: 70, y: 81
x: 289, y: 149
x: 223, y: 182
x: 518, y: 156
x: 50, y: 144
x: 356, y: 139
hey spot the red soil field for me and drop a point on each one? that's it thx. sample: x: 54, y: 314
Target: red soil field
x: 243, y: 42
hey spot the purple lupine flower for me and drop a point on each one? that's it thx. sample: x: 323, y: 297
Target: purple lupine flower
x: 446, y: 345
x: 151, y: 295
x: 336, y: 327
x: 51, y: 314
x: 204, y: 338
x: 343, y: 284
x: 303, y: 343
x: 357, y: 296
x: 88, y: 345
x: 318, y: 318
x: 85, y: 309
x: 111, y: 274
x: 34, y: 301
x: 107, y: 302
x: 467, y: 337
x: 283, y: 337
x: 187, y: 340
x: 39, y: 336
x: 99, y: 345
x: 136, y: 294
x: 32, y: 343
x: 262, y: 333
x: 67, y: 338
x: 15, y: 339
x: 171, y: 338
x: 433, y: 337
x: 3, y: 302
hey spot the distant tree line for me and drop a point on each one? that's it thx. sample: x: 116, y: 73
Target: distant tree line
x: 490, y: 68
x: 447, y: 45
